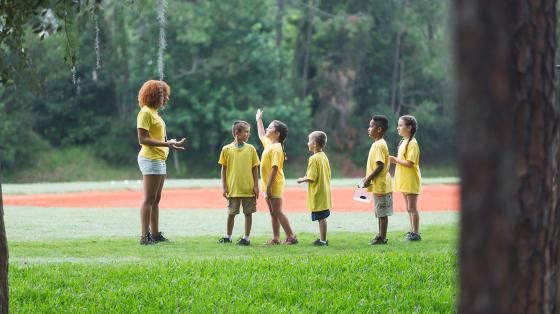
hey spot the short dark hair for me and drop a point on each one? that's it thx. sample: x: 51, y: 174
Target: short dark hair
x: 239, y: 125
x: 319, y: 137
x: 381, y: 121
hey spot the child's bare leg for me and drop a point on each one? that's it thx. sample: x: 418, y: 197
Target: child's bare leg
x: 282, y: 218
x: 405, y: 196
x: 383, y: 222
x: 274, y: 220
x: 413, y: 212
x: 248, y: 224
x: 230, y: 223
x: 154, y: 215
x: 323, y: 229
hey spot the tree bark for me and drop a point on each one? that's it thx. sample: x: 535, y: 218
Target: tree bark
x: 4, y: 296
x: 305, y: 70
x: 279, y: 17
x: 397, y: 61
x: 508, y: 155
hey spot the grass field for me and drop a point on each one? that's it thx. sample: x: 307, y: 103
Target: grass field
x: 69, y: 260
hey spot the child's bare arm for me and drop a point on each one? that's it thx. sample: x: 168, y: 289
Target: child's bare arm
x: 260, y: 125
x: 270, y: 181
x: 224, y: 184
x: 406, y: 163
x: 256, y: 181
x: 367, y: 180
x: 304, y: 179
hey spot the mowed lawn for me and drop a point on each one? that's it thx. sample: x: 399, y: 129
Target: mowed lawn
x: 196, y: 274
x: 88, y: 260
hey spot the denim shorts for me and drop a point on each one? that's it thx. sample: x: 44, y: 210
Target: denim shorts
x: 151, y: 166
x: 320, y: 215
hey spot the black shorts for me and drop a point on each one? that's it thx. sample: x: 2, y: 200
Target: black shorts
x: 320, y: 215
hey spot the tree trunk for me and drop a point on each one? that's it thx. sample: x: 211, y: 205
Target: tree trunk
x: 310, y: 13
x: 397, y: 61
x: 279, y: 17
x: 508, y: 153
x: 4, y: 297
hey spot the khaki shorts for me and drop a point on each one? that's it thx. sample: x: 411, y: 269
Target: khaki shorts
x: 383, y: 205
x: 249, y: 205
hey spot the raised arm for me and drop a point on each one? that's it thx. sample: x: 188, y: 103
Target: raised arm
x: 260, y: 125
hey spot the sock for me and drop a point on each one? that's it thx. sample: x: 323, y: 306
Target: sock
x: 246, y: 237
x: 323, y: 241
x: 229, y: 236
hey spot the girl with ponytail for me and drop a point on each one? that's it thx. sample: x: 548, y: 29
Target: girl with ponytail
x: 272, y: 175
x: 408, y: 179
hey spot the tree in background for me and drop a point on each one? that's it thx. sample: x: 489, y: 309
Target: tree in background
x: 508, y: 139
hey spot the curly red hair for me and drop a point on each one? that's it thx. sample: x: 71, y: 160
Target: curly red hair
x: 153, y: 94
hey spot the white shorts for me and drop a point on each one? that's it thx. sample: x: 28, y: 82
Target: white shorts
x: 151, y: 166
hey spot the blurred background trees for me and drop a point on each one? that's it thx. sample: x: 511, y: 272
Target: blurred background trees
x: 315, y: 64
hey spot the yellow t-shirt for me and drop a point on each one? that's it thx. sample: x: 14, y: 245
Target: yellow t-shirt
x: 319, y: 191
x: 379, y: 151
x: 239, y: 172
x: 408, y: 180
x: 273, y: 155
x: 149, y: 120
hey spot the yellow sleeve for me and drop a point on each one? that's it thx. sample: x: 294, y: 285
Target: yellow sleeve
x: 378, y: 156
x: 223, y: 157
x: 143, y: 120
x: 312, y: 169
x: 277, y: 158
x: 255, y: 158
x: 413, y: 153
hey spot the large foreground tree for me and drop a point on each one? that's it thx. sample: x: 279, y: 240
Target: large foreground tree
x: 509, y: 149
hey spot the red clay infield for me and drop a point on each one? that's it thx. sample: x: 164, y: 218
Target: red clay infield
x: 433, y: 198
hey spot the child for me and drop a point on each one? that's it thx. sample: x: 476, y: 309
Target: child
x: 240, y: 184
x: 319, y: 191
x: 407, y: 172
x: 272, y: 175
x: 377, y: 176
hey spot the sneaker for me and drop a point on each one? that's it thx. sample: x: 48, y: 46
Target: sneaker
x: 244, y: 242
x: 319, y: 243
x: 414, y: 237
x: 225, y: 240
x: 147, y: 240
x: 272, y: 242
x: 291, y: 240
x: 378, y: 240
x: 160, y: 238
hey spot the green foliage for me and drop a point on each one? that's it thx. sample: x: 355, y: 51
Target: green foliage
x: 222, y: 63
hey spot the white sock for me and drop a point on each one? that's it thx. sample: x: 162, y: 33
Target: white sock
x: 246, y: 237
x: 323, y: 241
x: 229, y: 236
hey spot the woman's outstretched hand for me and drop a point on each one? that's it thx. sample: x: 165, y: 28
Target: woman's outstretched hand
x: 178, y: 145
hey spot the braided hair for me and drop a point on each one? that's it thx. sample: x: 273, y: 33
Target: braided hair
x: 281, y: 128
x: 411, y: 122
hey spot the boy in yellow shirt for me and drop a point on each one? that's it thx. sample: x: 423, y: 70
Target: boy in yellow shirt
x: 319, y: 190
x: 378, y: 179
x: 240, y: 173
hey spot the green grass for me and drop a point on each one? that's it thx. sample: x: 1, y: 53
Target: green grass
x: 81, y: 164
x: 195, y: 274
x: 72, y: 164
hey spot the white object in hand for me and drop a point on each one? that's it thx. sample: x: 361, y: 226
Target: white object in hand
x: 362, y: 195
